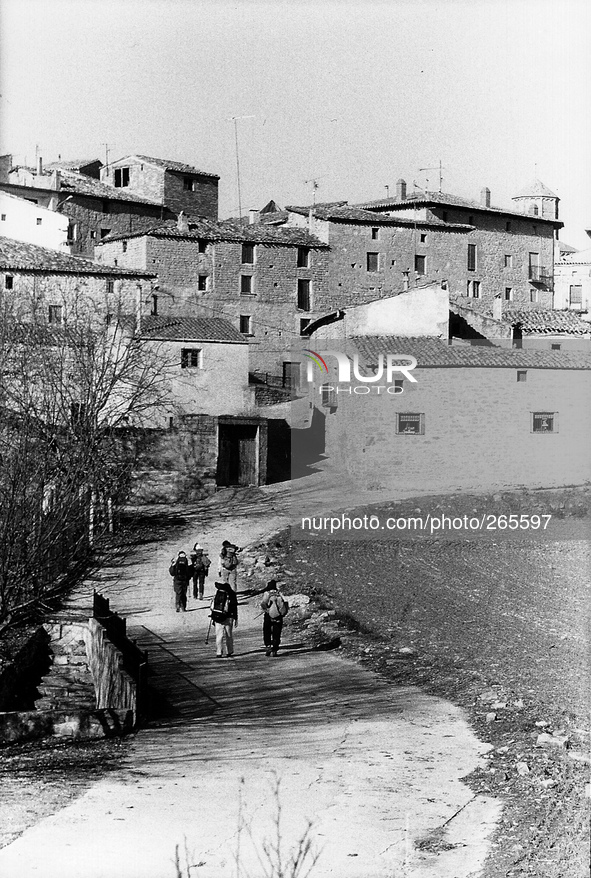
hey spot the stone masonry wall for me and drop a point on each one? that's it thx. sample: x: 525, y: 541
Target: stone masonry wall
x: 478, y: 431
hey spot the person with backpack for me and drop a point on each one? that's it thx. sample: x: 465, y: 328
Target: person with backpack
x: 201, y: 564
x: 224, y: 615
x: 181, y: 572
x: 275, y: 608
x: 229, y: 563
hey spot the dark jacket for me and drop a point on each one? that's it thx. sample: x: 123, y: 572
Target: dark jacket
x: 181, y: 575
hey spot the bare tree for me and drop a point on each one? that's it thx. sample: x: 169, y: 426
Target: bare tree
x: 67, y: 394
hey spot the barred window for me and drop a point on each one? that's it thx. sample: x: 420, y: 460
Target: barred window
x: 544, y: 422
x: 191, y: 358
x: 408, y: 423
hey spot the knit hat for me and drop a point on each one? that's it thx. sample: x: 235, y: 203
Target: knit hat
x: 197, y: 548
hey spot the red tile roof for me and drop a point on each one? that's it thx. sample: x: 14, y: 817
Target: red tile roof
x: 342, y: 212
x: 201, y: 228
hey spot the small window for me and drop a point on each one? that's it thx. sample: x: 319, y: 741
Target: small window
x: 373, y: 261
x: 291, y: 374
x: 304, y: 321
x: 121, y: 177
x: 375, y: 234
x: 398, y: 385
x: 420, y: 264
x: 188, y: 184
x: 423, y: 238
x: 202, y: 283
x: 93, y: 235
x: 202, y: 246
x: 472, y: 256
x: 154, y: 308
x: 246, y: 284
x: 329, y: 397
x: 544, y: 422
x: 508, y: 260
x: 245, y: 324
x: 191, y: 358
x: 303, y: 294
x: 72, y: 232
x: 475, y: 289
x: 55, y: 314
x: 521, y: 376
x: 555, y: 347
x: 3, y: 217
x: 410, y: 423
x: 124, y: 246
x: 533, y: 295
x: 508, y: 294
x: 8, y: 282
x: 110, y: 286
x: 39, y: 221
x: 303, y: 257
x: 535, y: 210
x: 248, y: 254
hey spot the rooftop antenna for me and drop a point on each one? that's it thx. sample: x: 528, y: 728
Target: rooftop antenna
x: 438, y: 168
x: 315, y: 186
x: 235, y: 119
x: 107, y: 151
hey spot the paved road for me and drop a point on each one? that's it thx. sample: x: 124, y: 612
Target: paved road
x: 372, y: 767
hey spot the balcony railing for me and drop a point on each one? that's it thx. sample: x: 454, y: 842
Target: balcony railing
x: 539, y: 274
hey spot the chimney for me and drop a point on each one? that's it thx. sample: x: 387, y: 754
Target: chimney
x: 253, y: 216
x: 39, y: 166
x: 401, y: 190
x: 485, y: 197
x: 182, y: 223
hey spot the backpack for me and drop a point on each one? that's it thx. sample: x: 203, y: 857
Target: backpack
x: 278, y: 607
x: 220, y: 605
x: 200, y: 563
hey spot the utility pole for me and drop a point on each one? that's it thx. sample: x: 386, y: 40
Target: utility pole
x: 235, y: 119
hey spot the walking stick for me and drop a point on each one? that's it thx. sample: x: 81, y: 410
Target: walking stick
x: 208, y: 630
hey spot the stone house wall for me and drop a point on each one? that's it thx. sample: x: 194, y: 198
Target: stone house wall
x: 477, y: 431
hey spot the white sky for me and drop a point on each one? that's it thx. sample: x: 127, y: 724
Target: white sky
x: 355, y: 93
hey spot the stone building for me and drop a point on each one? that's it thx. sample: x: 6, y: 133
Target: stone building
x: 175, y: 185
x: 573, y: 281
x: 37, y: 283
x: 483, y: 252
x: 475, y: 418
x: 269, y: 282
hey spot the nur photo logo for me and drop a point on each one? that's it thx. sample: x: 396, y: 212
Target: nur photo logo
x: 390, y: 369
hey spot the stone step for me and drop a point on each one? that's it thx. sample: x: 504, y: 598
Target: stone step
x: 64, y: 672
x: 47, y: 703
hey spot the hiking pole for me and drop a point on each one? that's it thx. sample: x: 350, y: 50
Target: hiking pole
x: 208, y: 630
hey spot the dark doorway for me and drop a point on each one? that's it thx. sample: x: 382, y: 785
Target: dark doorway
x: 237, y: 455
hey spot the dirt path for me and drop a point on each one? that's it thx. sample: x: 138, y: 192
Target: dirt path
x: 375, y: 768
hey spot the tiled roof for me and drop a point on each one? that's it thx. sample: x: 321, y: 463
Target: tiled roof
x: 434, y: 353
x: 82, y: 184
x: 168, y: 165
x: 191, y: 329
x: 343, y: 212
x: 578, y: 257
x: 546, y: 321
x: 534, y: 189
x: 72, y: 164
x: 201, y: 228
x: 19, y: 256
x: 425, y: 199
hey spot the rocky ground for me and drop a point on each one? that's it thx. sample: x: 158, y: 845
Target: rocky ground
x: 499, y: 627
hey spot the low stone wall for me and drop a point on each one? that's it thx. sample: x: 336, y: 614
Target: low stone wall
x: 114, y: 687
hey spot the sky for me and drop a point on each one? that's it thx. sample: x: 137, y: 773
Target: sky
x: 353, y: 94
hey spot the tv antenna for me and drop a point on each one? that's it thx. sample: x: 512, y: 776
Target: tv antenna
x: 438, y: 168
x: 107, y: 151
x: 235, y: 119
x: 315, y: 186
